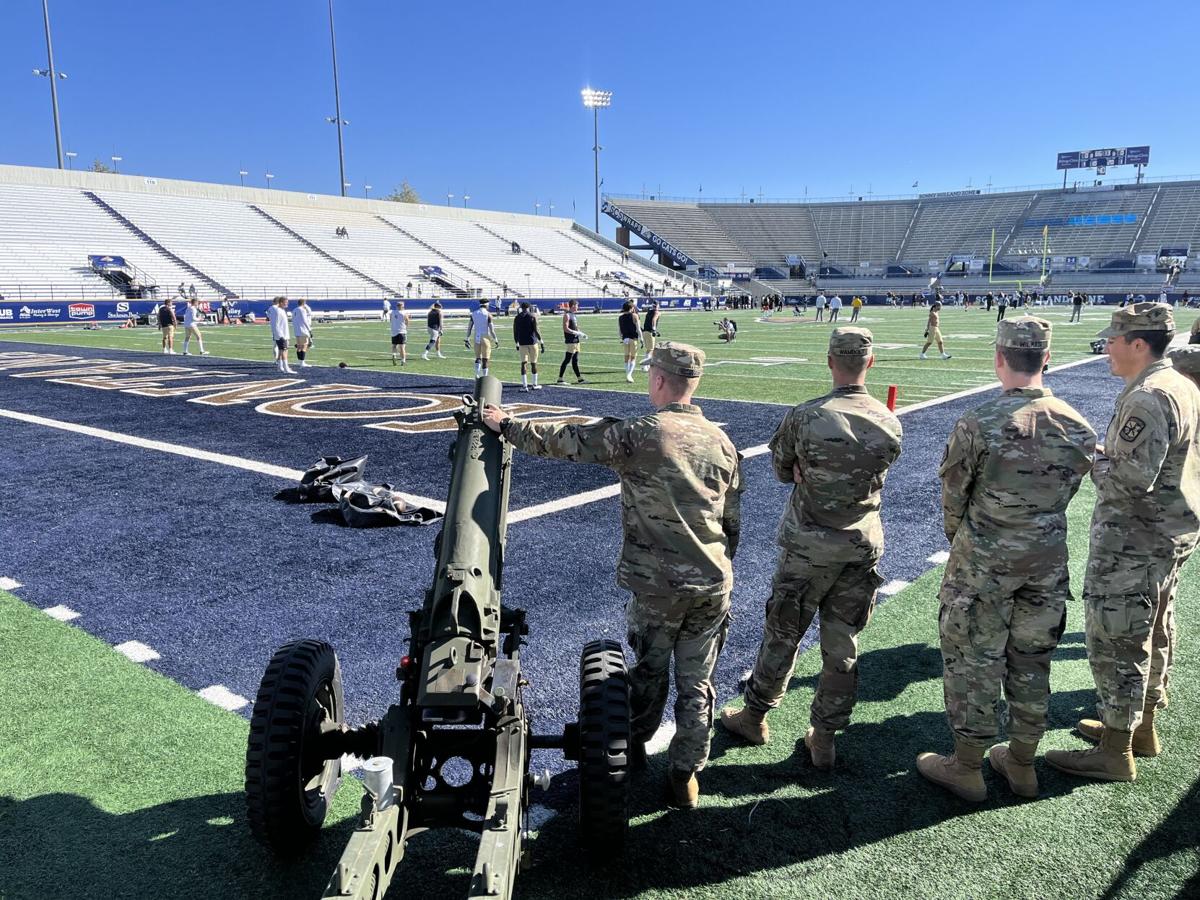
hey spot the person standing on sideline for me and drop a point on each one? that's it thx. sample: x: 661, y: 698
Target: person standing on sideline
x: 933, y: 331
x: 1145, y: 525
x: 1001, y: 305
x: 631, y: 335
x: 484, y: 330
x: 835, y: 307
x: 399, y: 327
x: 650, y: 332
x: 1077, y: 307
x: 386, y: 311
x: 278, y: 319
x: 681, y: 488
x: 192, y: 317
x: 821, y: 306
x: 571, y: 338
x: 529, y: 341
x: 855, y: 307
x: 835, y: 451
x: 167, y: 320
x: 302, y: 328
x: 433, y: 323
x: 1009, y: 472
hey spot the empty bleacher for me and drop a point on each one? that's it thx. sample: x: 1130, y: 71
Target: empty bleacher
x: 46, y: 236
x: 237, y: 246
x: 855, y: 233
x: 962, y: 225
x: 1083, y: 224
x: 1174, y: 220
x: 770, y: 232
x: 691, y: 229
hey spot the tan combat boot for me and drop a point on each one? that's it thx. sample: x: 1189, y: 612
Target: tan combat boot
x: 746, y: 723
x: 1015, y: 762
x: 683, y: 789
x: 1111, y: 761
x: 820, y: 746
x: 960, y: 774
x: 1145, y: 737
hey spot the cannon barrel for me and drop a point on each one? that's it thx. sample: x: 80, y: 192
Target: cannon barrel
x: 461, y: 621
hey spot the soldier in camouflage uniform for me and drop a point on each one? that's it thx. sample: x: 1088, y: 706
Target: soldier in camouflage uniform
x: 1186, y: 361
x: 1009, y: 472
x: 681, y: 511
x: 1145, y: 526
x: 836, y: 451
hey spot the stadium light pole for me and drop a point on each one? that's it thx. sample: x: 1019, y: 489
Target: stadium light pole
x: 53, y: 74
x: 595, y: 101
x: 449, y: 197
x: 242, y: 173
x: 367, y: 191
x: 466, y: 197
x: 337, y: 105
x: 268, y: 176
x: 115, y: 161
x: 70, y: 155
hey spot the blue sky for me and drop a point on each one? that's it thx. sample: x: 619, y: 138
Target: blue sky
x: 483, y: 99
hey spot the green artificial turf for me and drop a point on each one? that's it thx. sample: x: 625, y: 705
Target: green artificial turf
x: 115, y: 781
x: 779, y: 361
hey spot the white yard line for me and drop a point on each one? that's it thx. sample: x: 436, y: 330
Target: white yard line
x: 221, y: 696
x: 9, y: 584
x: 137, y: 651
x: 61, y: 613
x: 224, y: 459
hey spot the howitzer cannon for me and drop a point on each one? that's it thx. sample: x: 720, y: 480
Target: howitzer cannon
x: 455, y: 751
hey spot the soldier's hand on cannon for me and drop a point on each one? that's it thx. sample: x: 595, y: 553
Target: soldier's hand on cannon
x: 493, y: 417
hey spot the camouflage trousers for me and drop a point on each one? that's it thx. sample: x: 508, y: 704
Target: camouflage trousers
x: 999, y: 630
x: 693, y: 631
x: 1131, y: 641
x: 844, y: 594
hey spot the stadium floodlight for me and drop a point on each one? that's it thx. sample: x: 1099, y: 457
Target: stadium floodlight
x: 367, y: 191
x: 449, y: 197
x: 337, y: 119
x: 466, y: 197
x: 595, y: 101
x: 115, y: 160
x: 537, y: 207
x: 242, y: 173
x: 268, y: 176
x: 48, y: 74
x: 551, y: 209
x: 70, y: 155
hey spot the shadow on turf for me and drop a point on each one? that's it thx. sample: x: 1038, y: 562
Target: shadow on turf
x: 1177, y: 833
x: 63, y: 846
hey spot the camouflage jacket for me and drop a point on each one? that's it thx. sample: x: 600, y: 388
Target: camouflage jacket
x: 1008, y: 474
x: 681, y: 486
x: 843, y: 443
x: 1148, y: 479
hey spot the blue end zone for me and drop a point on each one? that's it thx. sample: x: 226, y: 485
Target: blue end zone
x: 201, y: 562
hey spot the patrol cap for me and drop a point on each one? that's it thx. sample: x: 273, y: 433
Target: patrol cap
x: 1023, y: 333
x: 1140, y: 317
x: 1187, y: 360
x: 850, y: 341
x: 678, y: 359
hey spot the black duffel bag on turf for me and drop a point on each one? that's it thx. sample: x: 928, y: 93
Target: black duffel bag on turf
x: 366, y: 505
x: 316, y: 483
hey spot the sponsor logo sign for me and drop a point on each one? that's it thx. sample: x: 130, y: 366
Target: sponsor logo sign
x: 81, y: 311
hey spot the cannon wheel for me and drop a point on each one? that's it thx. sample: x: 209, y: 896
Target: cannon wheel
x: 604, y: 742
x: 288, y: 789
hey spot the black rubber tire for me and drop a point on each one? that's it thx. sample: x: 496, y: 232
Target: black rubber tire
x: 604, y: 743
x: 302, y: 685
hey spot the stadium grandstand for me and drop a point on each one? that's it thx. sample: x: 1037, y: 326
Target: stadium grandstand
x: 83, y: 236
x: 1100, y: 238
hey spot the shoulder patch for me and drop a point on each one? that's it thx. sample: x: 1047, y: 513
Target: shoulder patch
x: 1132, y: 428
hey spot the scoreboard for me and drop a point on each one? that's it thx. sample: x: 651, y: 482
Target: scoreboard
x: 1109, y: 156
